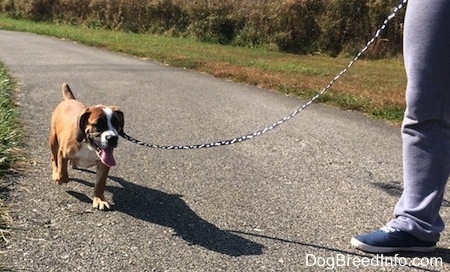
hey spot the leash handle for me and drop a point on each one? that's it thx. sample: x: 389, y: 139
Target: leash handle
x: 294, y: 113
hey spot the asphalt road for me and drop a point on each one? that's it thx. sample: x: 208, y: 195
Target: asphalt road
x: 286, y: 201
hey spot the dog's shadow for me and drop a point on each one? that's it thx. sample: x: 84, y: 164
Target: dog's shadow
x: 171, y: 211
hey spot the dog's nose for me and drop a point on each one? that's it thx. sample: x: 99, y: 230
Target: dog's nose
x: 112, y: 140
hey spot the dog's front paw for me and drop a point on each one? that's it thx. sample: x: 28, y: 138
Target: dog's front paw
x: 100, y: 204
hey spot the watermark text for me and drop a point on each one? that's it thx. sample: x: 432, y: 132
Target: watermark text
x: 342, y: 260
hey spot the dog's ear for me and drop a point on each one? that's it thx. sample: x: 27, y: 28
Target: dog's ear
x: 120, y: 119
x: 82, y: 123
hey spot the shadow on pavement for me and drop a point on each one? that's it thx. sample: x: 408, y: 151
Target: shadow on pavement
x: 171, y: 211
x: 394, y: 188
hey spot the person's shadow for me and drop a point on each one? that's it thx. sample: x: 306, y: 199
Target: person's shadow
x: 171, y: 211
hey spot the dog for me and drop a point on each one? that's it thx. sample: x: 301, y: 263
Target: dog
x: 85, y: 137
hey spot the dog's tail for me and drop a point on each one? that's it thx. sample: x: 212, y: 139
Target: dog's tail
x: 67, y: 93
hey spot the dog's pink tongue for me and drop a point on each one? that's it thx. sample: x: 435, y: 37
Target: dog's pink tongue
x: 107, y: 157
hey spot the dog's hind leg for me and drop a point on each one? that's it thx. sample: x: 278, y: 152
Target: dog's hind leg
x: 54, y: 147
x: 61, y: 175
x: 64, y: 173
x: 73, y: 164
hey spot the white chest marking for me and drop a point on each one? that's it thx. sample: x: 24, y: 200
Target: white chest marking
x: 86, y: 157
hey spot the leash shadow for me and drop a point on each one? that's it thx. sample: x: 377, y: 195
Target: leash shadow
x: 441, y: 252
x: 170, y: 210
x: 440, y: 255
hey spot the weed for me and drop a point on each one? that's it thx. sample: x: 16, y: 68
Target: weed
x: 9, y: 144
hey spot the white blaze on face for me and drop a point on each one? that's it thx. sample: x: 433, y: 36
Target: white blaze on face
x: 106, y: 153
x: 112, y: 131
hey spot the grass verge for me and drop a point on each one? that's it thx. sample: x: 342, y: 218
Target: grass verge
x: 9, y: 148
x: 375, y: 88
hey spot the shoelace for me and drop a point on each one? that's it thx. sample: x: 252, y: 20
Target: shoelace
x: 388, y: 229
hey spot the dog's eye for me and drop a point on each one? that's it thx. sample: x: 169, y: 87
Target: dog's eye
x: 115, y: 122
x: 94, y: 134
x: 99, y: 126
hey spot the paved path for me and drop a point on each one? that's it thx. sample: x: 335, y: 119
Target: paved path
x: 275, y: 203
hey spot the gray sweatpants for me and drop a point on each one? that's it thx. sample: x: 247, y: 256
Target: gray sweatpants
x: 426, y: 125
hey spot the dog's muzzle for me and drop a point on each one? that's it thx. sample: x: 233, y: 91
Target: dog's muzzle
x: 104, y: 144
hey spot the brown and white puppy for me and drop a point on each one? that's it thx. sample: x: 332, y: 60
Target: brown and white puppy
x: 85, y: 136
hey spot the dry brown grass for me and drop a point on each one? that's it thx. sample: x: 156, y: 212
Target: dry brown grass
x: 377, y: 84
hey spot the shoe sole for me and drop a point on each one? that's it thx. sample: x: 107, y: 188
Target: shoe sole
x: 376, y: 249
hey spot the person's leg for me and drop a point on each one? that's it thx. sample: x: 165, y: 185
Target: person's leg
x: 425, y: 132
x: 426, y: 125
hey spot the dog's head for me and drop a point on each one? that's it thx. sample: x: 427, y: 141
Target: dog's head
x: 100, y: 126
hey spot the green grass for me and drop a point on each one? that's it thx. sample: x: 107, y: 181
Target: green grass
x: 9, y: 132
x: 375, y: 88
x: 9, y: 146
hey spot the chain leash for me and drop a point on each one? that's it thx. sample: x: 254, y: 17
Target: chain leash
x: 284, y: 119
